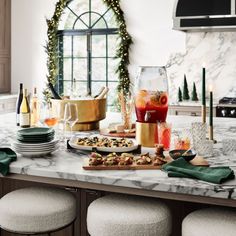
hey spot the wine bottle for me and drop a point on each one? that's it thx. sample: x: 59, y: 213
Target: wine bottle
x: 100, y: 91
x: 18, y: 103
x: 103, y: 94
x: 25, y: 111
x: 53, y: 91
x: 34, y: 109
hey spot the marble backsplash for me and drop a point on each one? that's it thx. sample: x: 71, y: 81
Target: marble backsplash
x: 217, y: 50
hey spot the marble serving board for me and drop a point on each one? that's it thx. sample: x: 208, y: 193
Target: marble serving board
x: 134, y: 166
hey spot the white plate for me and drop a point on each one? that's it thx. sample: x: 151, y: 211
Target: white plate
x: 51, y: 143
x: 31, y: 154
x: 73, y: 143
x: 34, y: 150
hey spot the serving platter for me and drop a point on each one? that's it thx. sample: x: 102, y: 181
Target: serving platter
x: 134, y: 166
x: 73, y: 144
x: 106, y: 132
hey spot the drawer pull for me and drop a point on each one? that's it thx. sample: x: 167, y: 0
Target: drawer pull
x: 73, y: 190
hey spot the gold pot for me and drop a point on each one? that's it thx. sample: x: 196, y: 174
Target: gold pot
x: 90, y: 112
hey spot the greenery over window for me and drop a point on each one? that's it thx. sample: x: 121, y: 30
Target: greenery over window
x: 82, y: 43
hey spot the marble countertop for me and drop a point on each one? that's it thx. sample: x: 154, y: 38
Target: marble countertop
x: 68, y: 165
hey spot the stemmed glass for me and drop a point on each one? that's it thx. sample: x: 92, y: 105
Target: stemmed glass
x: 70, y: 115
x: 48, y: 116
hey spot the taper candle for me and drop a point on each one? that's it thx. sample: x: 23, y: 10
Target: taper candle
x: 203, y: 94
x: 211, y: 113
x: 211, y: 107
x: 204, y: 86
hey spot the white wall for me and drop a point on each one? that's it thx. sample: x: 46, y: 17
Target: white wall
x: 149, y: 23
x: 29, y: 32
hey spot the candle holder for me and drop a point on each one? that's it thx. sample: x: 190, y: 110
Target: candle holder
x: 203, y: 113
x: 211, y: 134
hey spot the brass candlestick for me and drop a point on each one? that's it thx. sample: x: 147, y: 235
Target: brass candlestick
x: 203, y: 113
x: 211, y: 133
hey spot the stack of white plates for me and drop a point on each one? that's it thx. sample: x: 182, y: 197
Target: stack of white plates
x: 35, y: 149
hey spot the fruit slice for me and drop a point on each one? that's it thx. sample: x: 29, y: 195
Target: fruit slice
x: 154, y: 100
x: 163, y: 99
x: 140, y: 100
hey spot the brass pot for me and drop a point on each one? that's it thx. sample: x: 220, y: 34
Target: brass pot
x: 90, y: 112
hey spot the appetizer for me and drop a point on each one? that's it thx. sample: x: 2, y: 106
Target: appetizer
x: 111, y: 159
x: 95, y: 159
x: 105, y: 142
x: 144, y: 159
x: 126, y: 159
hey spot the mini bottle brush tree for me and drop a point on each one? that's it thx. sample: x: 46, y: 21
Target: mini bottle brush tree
x: 180, y: 97
x: 185, y: 90
x: 194, y: 93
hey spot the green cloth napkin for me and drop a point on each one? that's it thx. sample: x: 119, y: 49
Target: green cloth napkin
x: 6, y: 157
x: 182, y: 168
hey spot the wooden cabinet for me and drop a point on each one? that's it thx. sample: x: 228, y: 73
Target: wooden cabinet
x: 5, y: 46
x: 8, y: 103
x: 180, y: 110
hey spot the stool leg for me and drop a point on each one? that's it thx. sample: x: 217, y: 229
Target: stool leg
x: 73, y: 229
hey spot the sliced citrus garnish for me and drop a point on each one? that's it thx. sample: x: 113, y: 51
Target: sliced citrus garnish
x: 163, y: 99
x: 154, y: 100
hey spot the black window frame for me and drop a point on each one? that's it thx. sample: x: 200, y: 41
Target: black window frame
x: 89, y: 32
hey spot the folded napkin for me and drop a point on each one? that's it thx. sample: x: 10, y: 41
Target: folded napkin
x: 182, y: 168
x: 6, y: 157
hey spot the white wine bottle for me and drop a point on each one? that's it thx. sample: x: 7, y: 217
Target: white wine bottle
x: 25, y: 112
x: 34, y: 109
x: 18, y: 103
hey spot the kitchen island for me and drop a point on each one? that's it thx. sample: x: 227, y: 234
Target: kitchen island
x: 64, y: 168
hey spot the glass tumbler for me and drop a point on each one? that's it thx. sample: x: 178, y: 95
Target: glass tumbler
x: 165, y: 134
x: 199, y: 130
x: 205, y: 148
x: 229, y: 147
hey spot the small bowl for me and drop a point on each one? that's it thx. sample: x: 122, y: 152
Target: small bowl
x: 175, y: 154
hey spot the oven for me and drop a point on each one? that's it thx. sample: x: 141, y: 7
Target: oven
x: 226, y: 108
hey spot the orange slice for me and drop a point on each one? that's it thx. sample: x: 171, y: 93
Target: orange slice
x: 163, y: 99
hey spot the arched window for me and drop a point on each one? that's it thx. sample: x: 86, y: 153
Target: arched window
x: 88, y: 40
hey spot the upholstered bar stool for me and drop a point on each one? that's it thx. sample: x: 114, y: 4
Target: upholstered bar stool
x: 118, y: 215
x: 37, y: 210
x: 210, y: 222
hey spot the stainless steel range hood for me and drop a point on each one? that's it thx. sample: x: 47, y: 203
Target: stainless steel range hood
x: 204, y: 15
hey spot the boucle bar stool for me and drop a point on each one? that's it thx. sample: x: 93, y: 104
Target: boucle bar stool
x: 37, y: 210
x: 210, y: 222
x: 118, y: 215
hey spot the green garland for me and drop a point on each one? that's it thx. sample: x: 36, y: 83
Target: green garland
x: 122, y: 52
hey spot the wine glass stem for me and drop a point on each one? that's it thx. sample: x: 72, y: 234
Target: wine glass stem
x: 71, y: 132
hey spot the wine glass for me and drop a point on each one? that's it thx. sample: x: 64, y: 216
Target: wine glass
x: 48, y: 115
x: 70, y: 115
